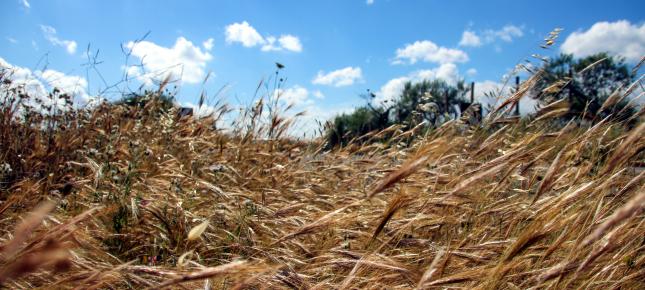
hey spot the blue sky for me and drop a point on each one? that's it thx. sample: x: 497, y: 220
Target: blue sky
x: 333, y: 50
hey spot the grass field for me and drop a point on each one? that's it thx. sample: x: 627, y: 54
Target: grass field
x: 126, y: 197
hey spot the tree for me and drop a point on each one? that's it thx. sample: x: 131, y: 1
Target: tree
x: 586, y: 83
x: 433, y: 101
x: 363, y: 120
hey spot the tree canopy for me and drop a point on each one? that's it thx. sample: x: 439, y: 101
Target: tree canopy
x: 429, y: 101
x: 585, y: 83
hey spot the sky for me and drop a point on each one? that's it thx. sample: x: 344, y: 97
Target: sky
x: 333, y: 51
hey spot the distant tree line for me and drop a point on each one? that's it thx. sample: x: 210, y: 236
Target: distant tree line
x: 430, y: 102
x: 585, y: 83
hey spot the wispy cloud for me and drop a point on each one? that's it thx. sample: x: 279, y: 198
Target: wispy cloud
x: 340, y: 77
x: 506, y: 34
x: 428, y: 51
x: 285, y: 42
x: 12, y: 40
x: 208, y: 44
x: 51, y: 36
x: 470, y: 38
x: 248, y: 36
x: 25, y: 3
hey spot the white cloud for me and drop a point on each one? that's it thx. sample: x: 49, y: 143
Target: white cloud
x: 308, y: 124
x: 290, y: 42
x: 245, y: 34
x: 286, y: 42
x: 202, y: 111
x: 369, y: 2
x: 487, y: 93
x: 12, y: 40
x: 37, y: 84
x: 620, y: 38
x: 23, y: 77
x: 391, y: 90
x: 184, y: 61
x: 506, y: 34
x: 470, y: 38
x: 295, y: 95
x: 339, y: 78
x: 25, y: 3
x: 318, y: 94
x: 50, y: 34
x: 269, y: 44
x: 208, y: 44
x: 73, y: 85
x: 447, y: 72
x: 471, y: 72
x: 490, y: 93
x: 394, y: 87
x: 428, y: 51
x: 307, y: 113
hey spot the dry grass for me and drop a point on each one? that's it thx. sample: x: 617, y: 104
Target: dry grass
x: 124, y: 197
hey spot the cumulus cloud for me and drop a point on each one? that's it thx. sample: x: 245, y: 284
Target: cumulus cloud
x: 208, y: 44
x: 394, y: 87
x: 619, y: 38
x: 248, y: 36
x: 470, y: 38
x: 428, y: 51
x: 73, y: 85
x: 339, y: 78
x: 38, y: 83
x: 285, y: 42
x: 184, y: 61
x: 295, y: 95
x: 243, y: 33
x: 51, y: 36
x: 290, y: 42
x: 505, y: 34
x: 471, y: 72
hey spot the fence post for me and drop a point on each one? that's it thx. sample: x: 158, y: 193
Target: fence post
x: 517, y: 89
x: 472, y: 93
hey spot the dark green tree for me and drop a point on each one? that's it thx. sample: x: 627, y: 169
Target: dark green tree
x: 434, y: 101
x: 585, y: 82
x: 361, y: 121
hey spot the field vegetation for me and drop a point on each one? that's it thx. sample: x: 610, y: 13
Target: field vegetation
x: 130, y: 195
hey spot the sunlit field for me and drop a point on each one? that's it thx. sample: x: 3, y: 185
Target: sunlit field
x: 132, y: 195
x: 336, y: 144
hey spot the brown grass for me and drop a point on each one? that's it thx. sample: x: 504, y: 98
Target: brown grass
x: 124, y: 197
